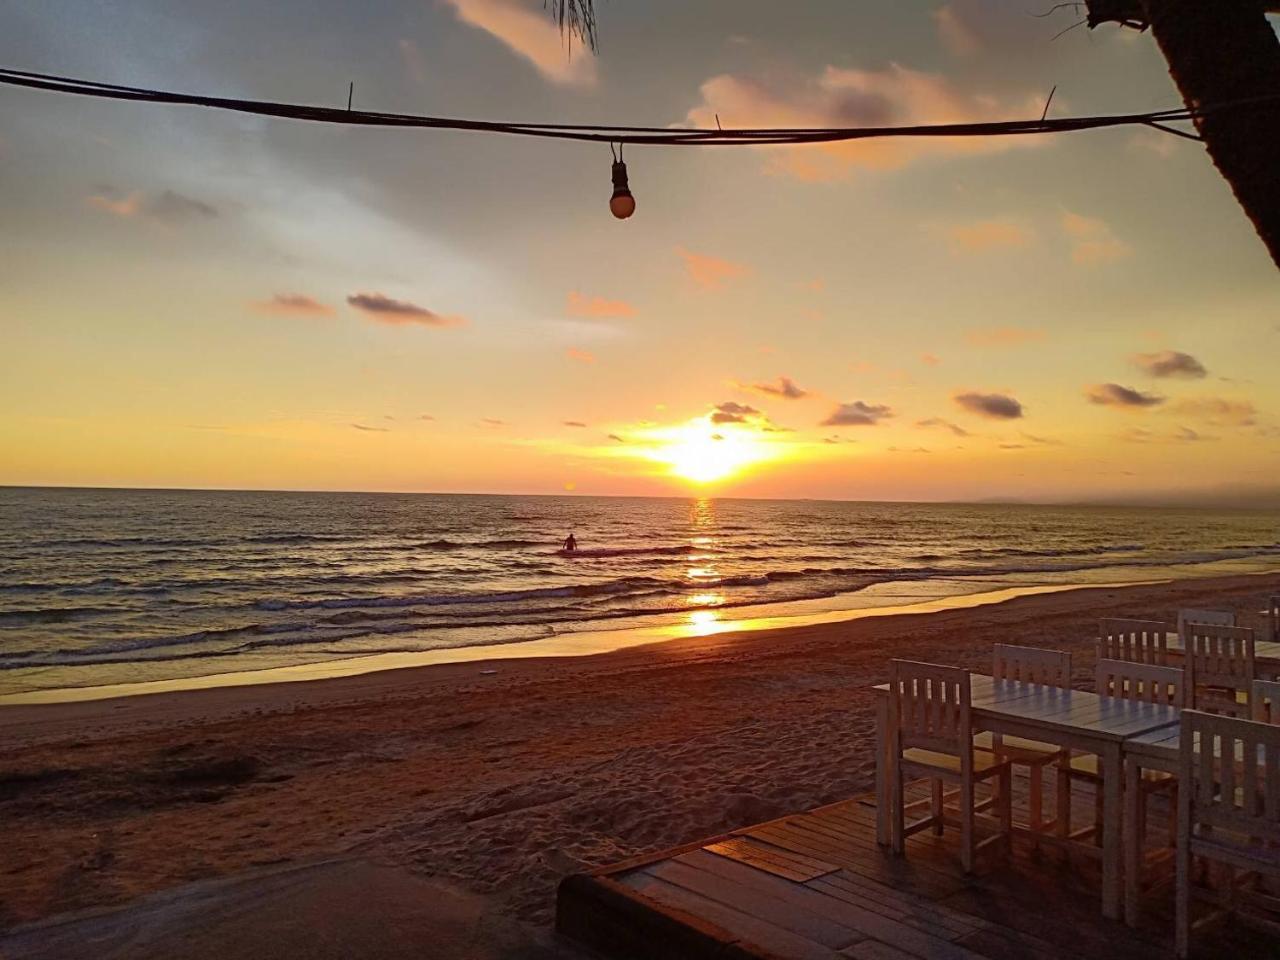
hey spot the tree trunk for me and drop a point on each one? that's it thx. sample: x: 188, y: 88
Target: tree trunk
x: 1219, y: 51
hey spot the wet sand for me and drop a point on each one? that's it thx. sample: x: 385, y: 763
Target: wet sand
x: 496, y: 777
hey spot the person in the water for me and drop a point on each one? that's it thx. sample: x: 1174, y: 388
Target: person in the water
x: 570, y: 543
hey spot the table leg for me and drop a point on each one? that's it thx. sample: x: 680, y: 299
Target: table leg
x: 1133, y: 841
x: 1112, y: 831
x: 883, y: 800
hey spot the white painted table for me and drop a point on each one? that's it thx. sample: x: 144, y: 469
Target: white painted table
x: 1069, y: 718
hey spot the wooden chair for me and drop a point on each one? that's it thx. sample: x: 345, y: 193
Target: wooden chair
x: 1135, y: 641
x: 931, y: 735
x: 1219, y: 618
x: 1273, y: 619
x: 1266, y: 701
x: 1030, y: 665
x: 1220, y: 666
x: 1144, y: 683
x: 1228, y: 814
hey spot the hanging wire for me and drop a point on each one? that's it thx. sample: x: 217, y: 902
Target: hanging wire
x: 620, y: 134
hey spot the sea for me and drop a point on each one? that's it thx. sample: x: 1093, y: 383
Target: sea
x: 123, y: 586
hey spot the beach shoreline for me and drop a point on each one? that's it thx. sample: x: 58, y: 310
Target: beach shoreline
x: 500, y: 777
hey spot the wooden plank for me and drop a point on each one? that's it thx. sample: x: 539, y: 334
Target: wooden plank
x: 798, y: 867
x: 774, y: 941
x: 802, y: 900
x: 759, y: 895
x: 920, y: 920
x: 875, y: 950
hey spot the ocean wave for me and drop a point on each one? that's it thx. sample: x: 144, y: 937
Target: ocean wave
x: 605, y: 552
x: 42, y: 615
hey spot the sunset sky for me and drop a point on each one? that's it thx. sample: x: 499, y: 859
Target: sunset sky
x: 200, y: 299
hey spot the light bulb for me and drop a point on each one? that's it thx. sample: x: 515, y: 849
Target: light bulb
x: 622, y: 204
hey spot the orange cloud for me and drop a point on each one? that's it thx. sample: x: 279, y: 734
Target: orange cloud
x: 1002, y: 336
x: 929, y: 360
x: 573, y: 353
x: 1092, y: 240
x: 710, y: 273
x: 839, y: 97
x: 984, y: 235
x: 530, y: 33
x: 598, y: 308
x: 383, y: 309
x: 293, y: 305
x: 119, y: 206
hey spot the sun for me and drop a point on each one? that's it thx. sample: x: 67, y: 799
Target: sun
x: 701, y: 452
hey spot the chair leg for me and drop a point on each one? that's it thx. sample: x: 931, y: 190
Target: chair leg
x: 899, y: 813
x: 1182, y: 902
x: 1173, y: 815
x: 1064, y: 796
x: 1098, y: 798
x: 966, y: 826
x: 935, y: 810
x: 1182, y: 879
x: 1035, y: 815
x: 1006, y: 809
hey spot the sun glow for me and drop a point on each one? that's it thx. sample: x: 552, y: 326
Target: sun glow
x: 703, y: 452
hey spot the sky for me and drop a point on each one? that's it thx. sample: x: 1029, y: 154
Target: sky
x: 191, y: 298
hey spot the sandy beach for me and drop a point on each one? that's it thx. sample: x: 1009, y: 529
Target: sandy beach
x: 497, y: 778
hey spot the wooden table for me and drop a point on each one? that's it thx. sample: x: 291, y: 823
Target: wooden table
x: 1068, y: 718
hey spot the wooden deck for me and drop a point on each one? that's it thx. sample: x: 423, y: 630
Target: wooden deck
x: 815, y: 886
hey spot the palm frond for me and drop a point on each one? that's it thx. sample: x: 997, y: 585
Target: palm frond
x: 577, y: 18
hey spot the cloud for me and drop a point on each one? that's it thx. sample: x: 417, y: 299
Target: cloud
x: 1181, y: 435
x: 839, y: 97
x: 956, y: 35
x: 731, y: 412
x: 955, y: 428
x: 411, y: 56
x: 598, y: 308
x: 582, y: 356
x: 167, y: 207
x: 982, y: 236
x: 398, y: 312
x: 1115, y: 395
x: 784, y: 387
x: 857, y: 414
x: 1218, y: 411
x: 710, y: 273
x: 293, y: 305
x: 1170, y: 363
x: 573, y: 423
x: 1092, y: 240
x: 1042, y: 441
x: 1003, y: 336
x: 929, y: 360
x: 426, y: 416
x: 996, y: 406
x: 368, y: 429
x: 530, y: 33
x: 493, y: 422
x: 614, y: 436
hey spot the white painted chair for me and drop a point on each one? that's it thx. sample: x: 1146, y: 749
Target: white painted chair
x: 1228, y: 814
x: 1143, y: 683
x: 931, y: 736
x: 1030, y: 665
x: 1266, y: 701
x: 1135, y: 641
x: 1220, y: 666
x: 1219, y: 618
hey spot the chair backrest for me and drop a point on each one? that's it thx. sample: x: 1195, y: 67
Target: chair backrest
x: 1273, y: 619
x: 1266, y: 701
x: 1031, y: 665
x: 1137, y: 641
x: 929, y: 707
x: 1144, y: 682
x: 1222, y: 658
x: 1221, y: 618
x: 1229, y: 777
